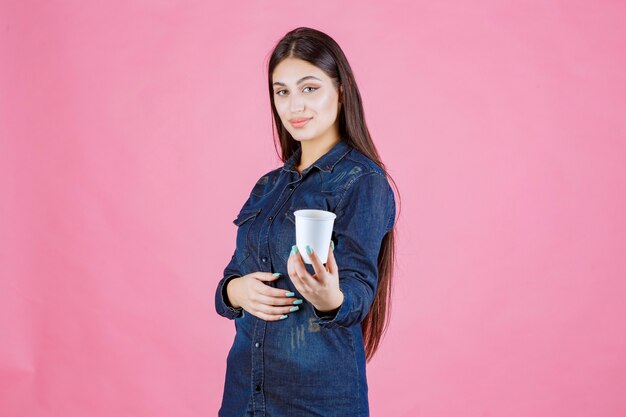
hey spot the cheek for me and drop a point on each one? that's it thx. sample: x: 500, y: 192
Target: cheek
x: 327, y: 104
x: 281, y: 108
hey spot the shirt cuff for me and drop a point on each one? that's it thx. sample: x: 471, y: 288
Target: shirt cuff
x: 332, y: 320
x: 231, y: 311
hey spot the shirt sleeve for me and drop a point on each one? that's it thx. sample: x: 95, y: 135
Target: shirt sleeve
x: 222, y: 304
x: 365, y: 214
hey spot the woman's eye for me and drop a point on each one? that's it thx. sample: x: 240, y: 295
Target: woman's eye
x: 278, y: 93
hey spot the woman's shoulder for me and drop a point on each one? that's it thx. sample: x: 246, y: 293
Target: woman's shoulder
x: 357, y: 167
x: 265, y: 182
x: 362, y: 162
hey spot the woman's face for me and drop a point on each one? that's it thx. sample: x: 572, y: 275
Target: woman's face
x: 303, y: 91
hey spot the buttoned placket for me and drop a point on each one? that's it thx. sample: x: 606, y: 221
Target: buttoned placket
x: 258, y: 399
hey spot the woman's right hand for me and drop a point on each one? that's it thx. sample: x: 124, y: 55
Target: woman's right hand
x: 259, y: 299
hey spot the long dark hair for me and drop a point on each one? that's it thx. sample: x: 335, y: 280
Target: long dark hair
x: 322, y: 51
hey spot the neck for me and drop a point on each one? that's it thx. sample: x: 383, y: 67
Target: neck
x: 312, y: 150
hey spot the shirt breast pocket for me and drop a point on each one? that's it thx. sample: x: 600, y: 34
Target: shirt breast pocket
x: 244, y: 221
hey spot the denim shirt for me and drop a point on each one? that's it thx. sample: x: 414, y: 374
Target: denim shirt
x: 306, y: 364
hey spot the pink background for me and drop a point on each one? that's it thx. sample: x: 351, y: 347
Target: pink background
x: 132, y: 132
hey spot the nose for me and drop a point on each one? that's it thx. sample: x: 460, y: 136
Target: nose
x: 297, y: 104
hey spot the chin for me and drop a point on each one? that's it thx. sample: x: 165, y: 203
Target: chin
x: 301, y: 138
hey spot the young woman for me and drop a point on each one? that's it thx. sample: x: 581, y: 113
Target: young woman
x: 304, y: 332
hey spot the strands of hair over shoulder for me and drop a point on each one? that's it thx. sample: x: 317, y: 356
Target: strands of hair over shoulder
x: 322, y: 51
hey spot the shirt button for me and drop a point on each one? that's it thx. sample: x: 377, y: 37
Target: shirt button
x: 270, y: 218
x: 291, y: 187
x: 264, y: 259
x: 257, y: 344
x: 258, y: 388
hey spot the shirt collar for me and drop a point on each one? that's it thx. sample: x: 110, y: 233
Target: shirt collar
x: 324, y: 163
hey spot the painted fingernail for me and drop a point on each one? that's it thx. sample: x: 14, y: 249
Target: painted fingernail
x: 332, y: 245
x: 289, y: 294
x: 283, y: 317
x: 276, y: 274
x: 309, y: 250
x: 294, y: 250
x: 298, y: 302
x: 296, y: 308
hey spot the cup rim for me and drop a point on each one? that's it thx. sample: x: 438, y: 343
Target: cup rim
x: 326, y: 215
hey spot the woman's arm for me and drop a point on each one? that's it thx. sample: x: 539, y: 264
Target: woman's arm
x: 365, y: 214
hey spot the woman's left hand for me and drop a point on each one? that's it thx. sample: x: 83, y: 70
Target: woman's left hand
x: 322, y: 288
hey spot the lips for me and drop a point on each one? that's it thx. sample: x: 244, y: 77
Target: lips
x: 299, y: 122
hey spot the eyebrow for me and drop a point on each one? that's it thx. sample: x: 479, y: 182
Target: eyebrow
x: 299, y: 81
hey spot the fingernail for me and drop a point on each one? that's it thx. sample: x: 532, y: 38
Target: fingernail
x: 289, y: 294
x: 276, y: 274
x: 332, y: 245
x: 284, y: 316
x: 298, y: 302
x: 296, y: 308
x: 294, y: 250
x: 309, y: 250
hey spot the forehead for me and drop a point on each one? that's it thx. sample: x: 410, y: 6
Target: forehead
x: 290, y: 70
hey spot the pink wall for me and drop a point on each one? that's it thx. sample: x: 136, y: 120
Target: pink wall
x: 123, y: 161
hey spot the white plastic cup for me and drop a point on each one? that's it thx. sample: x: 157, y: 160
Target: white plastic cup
x: 314, y: 228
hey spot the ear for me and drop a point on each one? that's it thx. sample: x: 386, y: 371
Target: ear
x: 340, y: 93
